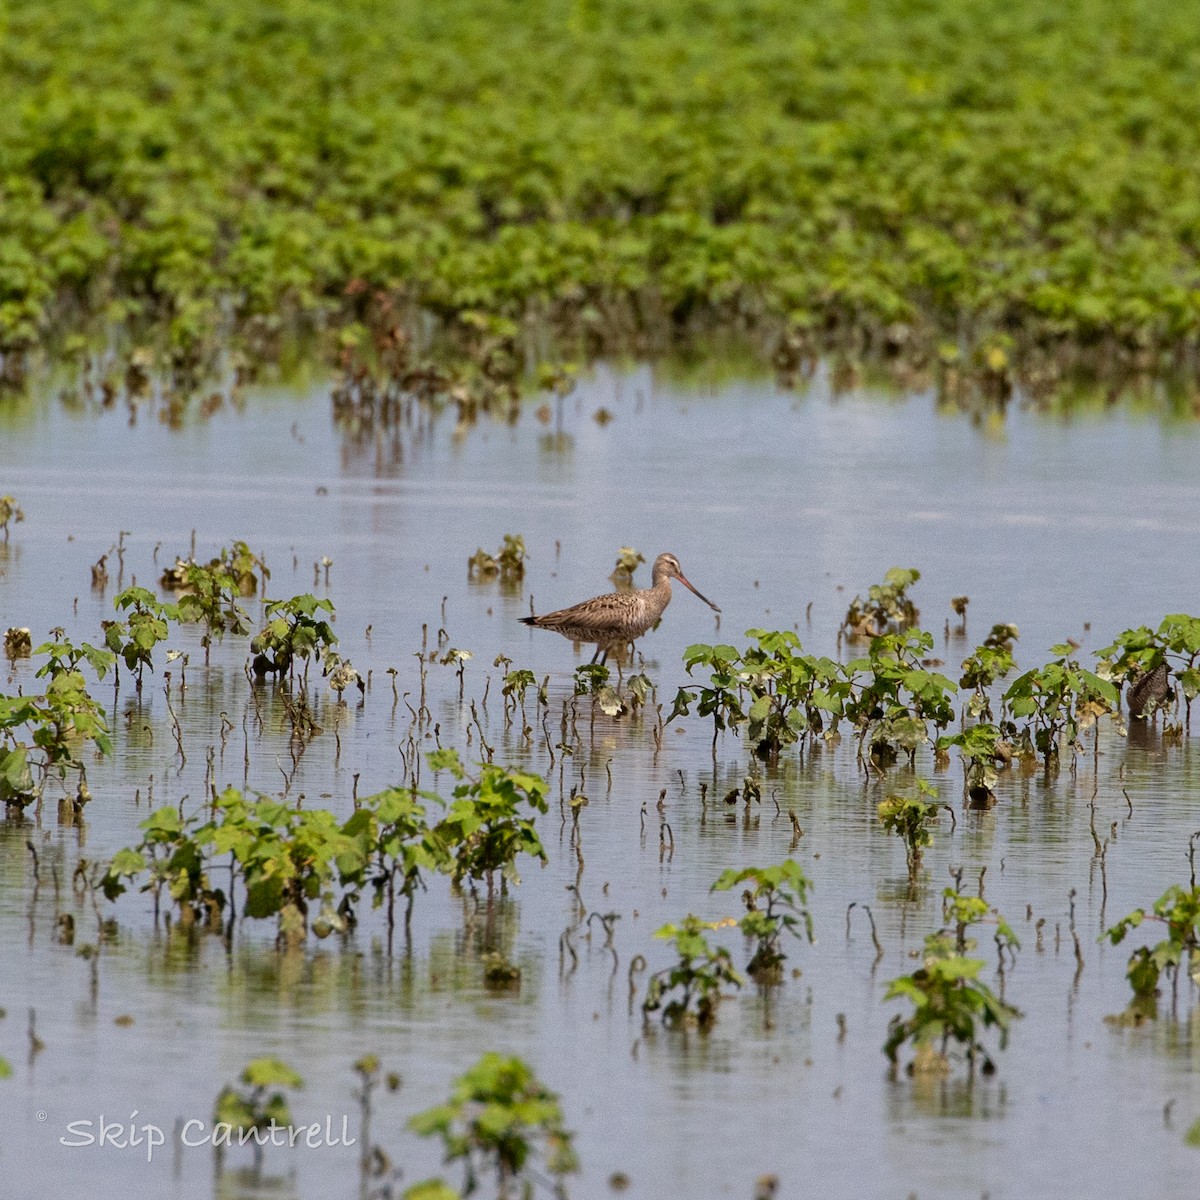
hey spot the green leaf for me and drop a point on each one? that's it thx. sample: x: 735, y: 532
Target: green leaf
x: 271, y: 1072
x: 431, y: 1189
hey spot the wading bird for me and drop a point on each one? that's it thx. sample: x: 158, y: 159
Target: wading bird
x: 619, y: 617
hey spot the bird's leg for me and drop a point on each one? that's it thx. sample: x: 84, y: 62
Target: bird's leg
x: 604, y: 656
x: 595, y: 656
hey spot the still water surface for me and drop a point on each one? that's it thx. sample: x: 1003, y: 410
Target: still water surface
x: 780, y: 507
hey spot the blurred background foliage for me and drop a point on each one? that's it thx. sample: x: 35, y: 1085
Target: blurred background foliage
x: 919, y: 170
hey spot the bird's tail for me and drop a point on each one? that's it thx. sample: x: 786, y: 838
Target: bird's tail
x: 529, y: 620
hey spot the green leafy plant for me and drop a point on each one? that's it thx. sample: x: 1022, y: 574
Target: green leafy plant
x: 951, y: 1011
x: 286, y: 858
x: 1178, y: 909
x: 401, y: 849
x: 259, y: 1105
x: 981, y: 748
x: 721, y: 698
x: 500, y: 1122
x: 485, y: 829
x: 176, y: 861
x: 690, y: 990
x: 1149, y: 660
x: 910, y: 819
x: 594, y: 679
x: 64, y: 656
x: 244, y: 566
x: 43, y: 733
x: 989, y: 663
x: 627, y: 562
x: 952, y: 1007
x: 641, y: 199
x: 294, y: 630
x: 792, y: 695
x: 133, y: 640
x: 10, y: 513
x: 516, y: 684
x: 482, y: 565
x: 511, y: 557
x: 774, y: 903
x: 887, y: 606
x: 961, y: 912
x: 1056, y: 702
x: 895, y: 698
x: 210, y: 598
x: 507, y: 564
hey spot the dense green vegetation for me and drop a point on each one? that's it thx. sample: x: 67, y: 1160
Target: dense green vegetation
x: 930, y: 178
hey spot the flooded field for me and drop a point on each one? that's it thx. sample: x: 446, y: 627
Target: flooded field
x: 781, y: 507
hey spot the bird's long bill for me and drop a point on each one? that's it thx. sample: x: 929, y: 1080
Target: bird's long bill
x: 696, y: 592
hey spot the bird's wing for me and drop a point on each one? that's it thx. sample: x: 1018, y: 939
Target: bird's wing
x: 604, y: 614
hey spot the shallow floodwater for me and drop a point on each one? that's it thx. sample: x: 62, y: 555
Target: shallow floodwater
x: 781, y: 507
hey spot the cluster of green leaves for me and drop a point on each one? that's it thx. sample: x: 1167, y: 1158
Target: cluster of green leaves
x: 502, y: 1122
x: 910, y: 818
x: 44, y: 733
x: 782, y: 695
x: 980, y: 748
x: 516, y: 683
x: 594, y: 679
x: 255, y: 1106
x: 285, y: 857
x: 984, y: 667
x: 887, y: 606
x: 209, y: 597
x: 945, y: 167
x: 288, y: 858
x: 1055, y: 701
x: 508, y: 563
x: 690, y: 989
x: 294, y: 630
x: 485, y: 828
x: 952, y: 1007
x: 1172, y: 650
x: 1178, y: 908
x: 133, y: 640
x: 778, y: 693
x: 774, y: 905
x: 627, y: 562
x: 10, y: 512
x: 174, y: 856
x: 401, y: 848
x: 894, y: 697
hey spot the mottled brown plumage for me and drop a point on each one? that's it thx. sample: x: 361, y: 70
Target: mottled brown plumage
x: 619, y: 617
x: 1149, y: 692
